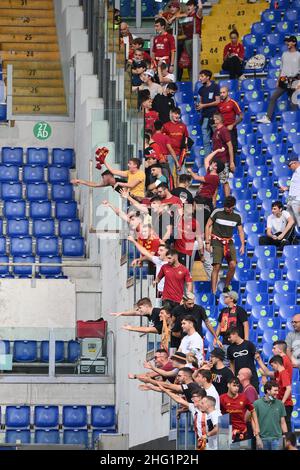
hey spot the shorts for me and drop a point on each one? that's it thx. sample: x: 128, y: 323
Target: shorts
x: 218, y: 252
x: 224, y: 175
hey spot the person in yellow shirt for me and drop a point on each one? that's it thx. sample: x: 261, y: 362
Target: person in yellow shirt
x: 135, y: 178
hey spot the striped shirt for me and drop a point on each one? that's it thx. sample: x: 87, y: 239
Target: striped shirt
x: 224, y: 222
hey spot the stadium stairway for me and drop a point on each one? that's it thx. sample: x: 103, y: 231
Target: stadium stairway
x: 225, y: 16
x: 29, y: 42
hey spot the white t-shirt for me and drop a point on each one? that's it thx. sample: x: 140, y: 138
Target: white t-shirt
x: 158, y: 264
x: 170, y: 77
x: 193, y: 344
x: 212, y: 392
x: 212, y: 420
x: 278, y: 224
x: 195, y: 410
x: 290, y: 64
x: 295, y: 184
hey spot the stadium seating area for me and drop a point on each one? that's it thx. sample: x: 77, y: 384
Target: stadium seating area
x: 52, y: 424
x: 31, y: 351
x: 267, y: 279
x: 39, y: 214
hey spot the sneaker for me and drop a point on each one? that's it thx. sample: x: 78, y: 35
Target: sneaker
x: 264, y: 120
x: 225, y: 290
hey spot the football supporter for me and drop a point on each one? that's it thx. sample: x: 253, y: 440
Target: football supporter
x: 231, y: 114
x: 147, y: 78
x: 192, y: 341
x: 233, y: 56
x: 279, y: 349
x: 178, y: 133
x: 164, y: 76
x: 164, y: 48
x: 161, y: 361
x: 164, y: 143
x: 176, y: 277
x: 244, y: 376
x: 280, y: 227
x: 137, y: 45
x: 209, y: 96
x: 220, y: 373
x: 237, y: 405
x: 150, y: 115
x: 181, y: 191
x: 218, y: 237
x: 282, y: 378
x: 164, y: 102
x: 135, y: 178
x: 221, y: 139
x: 203, y: 377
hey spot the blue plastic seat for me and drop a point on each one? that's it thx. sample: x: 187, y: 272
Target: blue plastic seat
x: 279, y: 160
x: 21, y: 246
x: 33, y: 174
x: 256, y: 107
x: 292, y: 15
x: 185, y: 86
x: 280, y: 4
x: 17, y: 417
x: 2, y: 245
x: 62, y: 192
x: 265, y: 323
x: 291, y: 251
x: 281, y: 170
x: 246, y: 205
x: 12, y: 155
x: 285, y: 287
x: 25, y: 351
x: 47, y: 246
x: 271, y: 16
x: 66, y: 210
x: 274, y: 39
x: 263, y: 182
x: 270, y: 84
x: 103, y: 417
x: 73, y: 351
x: 253, y: 95
x: 262, y: 311
x: 253, y: 287
x: 252, y: 40
x: 251, y: 84
x: 242, y: 193
x: 20, y: 435
x: 58, y: 174
x: 232, y: 85
x: 9, y: 173
x: 285, y: 299
x: 59, y: 351
x: 275, y: 62
x: 14, y: 209
x: 50, y: 270
x: 243, y: 275
x: 73, y: 246
x: 293, y: 275
x: 46, y: 436
x: 258, y: 171
x: 271, y: 193
x: 4, y: 270
x: 261, y: 28
x: 271, y: 335
x: 293, y: 138
x: 204, y: 299
x: 286, y: 312
x: 17, y: 227
x: 271, y: 275
x: 23, y: 270
x: 74, y: 416
x: 37, y: 156
x: 11, y: 191
x: 267, y: 262
x: 251, y: 216
x: 254, y: 228
x: 40, y: 210
x: 43, y: 228
x: 46, y: 416
x: 268, y: 50
x: 69, y: 228
x: 37, y: 191
x: 257, y: 298
x: 75, y: 437
x: 285, y: 27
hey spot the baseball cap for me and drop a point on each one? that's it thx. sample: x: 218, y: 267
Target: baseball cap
x: 149, y: 72
x: 174, y: 4
x: 291, y: 39
x: 179, y: 355
x: 219, y: 353
x: 292, y: 160
x: 232, y: 294
x: 189, y: 296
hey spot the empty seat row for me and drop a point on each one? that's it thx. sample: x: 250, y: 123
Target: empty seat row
x: 40, y: 227
x: 37, y: 156
x: 45, y: 246
x: 36, y: 191
x: 26, y: 271
x: 34, y: 173
x: 16, y: 209
x: 32, y: 351
x: 80, y: 437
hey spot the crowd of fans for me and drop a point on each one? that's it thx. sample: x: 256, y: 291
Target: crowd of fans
x: 170, y: 228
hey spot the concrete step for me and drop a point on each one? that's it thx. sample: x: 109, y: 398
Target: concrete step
x: 38, y: 82
x: 30, y: 13
x: 44, y: 75
x: 25, y: 109
x: 39, y: 100
x: 38, y: 91
x: 28, y: 38
x: 25, y: 46
x: 27, y: 4
x: 28, y: 30
x: 34, y: 65
x: 29, y: 55
x: 21, y: 20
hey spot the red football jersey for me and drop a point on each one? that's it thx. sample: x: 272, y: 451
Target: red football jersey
x: 237, y: 408
x: 176, y: 131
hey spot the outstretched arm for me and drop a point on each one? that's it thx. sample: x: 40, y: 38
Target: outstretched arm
x: 172, y: 395
x: 140, y: 329
x: 116, y: 210
x: 114, y: 171
x: 146, y: 254
x: 90, y: 184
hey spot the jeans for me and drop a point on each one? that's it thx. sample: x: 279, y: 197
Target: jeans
x: 272, y: 444
x: 234, y: 66
x: 278, y: 92
x: 206, y: 135
x: 293, y: 206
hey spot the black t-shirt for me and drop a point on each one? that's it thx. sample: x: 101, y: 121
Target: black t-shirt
x: 243, y: 356
x: 161, y: 221
x: 163, y: 105
x: 220, y: 378
x: 208, y: 95
x: 119, y: 188
x: 189, y: 389
x: 184, y: 194
x: 149, y: 178
x: 228, y: 317
x: 154, y: 318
